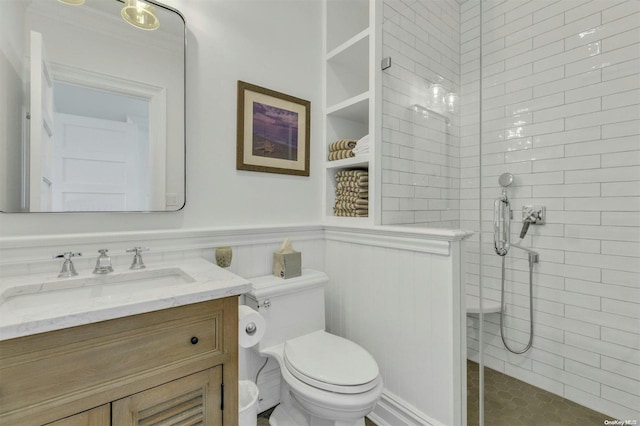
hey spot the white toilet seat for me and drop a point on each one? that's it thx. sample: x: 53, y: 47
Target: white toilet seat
x: 331, y: 363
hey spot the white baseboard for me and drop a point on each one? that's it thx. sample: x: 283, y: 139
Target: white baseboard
x: 392, y: 410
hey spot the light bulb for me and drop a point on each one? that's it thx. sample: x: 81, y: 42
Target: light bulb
x: 140, y: 15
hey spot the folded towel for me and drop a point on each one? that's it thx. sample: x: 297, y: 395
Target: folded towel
x: 353, y: 180
x: 343, y: 212
x: 340, y: 154
x: 351, y: 213
x: 362, y: 193
x: 348, y: 197
x: 352, y: 206
x: 342, y: 144
x: 355, y: 172
x: 343, y: 198
x: 354, y: 186
x: 345, y: 206
x: 360, y: 152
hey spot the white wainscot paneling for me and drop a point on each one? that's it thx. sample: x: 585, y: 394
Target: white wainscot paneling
x: 252, y: 248
x: 402, y: 303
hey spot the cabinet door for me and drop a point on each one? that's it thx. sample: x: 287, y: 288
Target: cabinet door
x: 99, y: 416
x: 192, y: 400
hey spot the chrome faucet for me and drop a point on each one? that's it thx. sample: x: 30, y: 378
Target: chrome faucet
x: 68, y: 269
x: 103, y: 264
x: 137, y: 257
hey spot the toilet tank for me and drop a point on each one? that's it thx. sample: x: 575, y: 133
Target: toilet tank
x: 291, y: 307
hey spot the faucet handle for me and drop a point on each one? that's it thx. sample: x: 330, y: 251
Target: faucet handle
x: 137, y: 257
x: 103, y: 264
x: 68, y: 270
x: 67, y: 255
x: 137, y: 249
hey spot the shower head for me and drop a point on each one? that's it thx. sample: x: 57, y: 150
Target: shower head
x: 505, y: 179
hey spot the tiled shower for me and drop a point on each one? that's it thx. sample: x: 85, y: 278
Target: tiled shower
x: 548, y: 91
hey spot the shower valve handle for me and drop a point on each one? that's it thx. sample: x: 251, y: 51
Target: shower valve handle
x: 534, y: 215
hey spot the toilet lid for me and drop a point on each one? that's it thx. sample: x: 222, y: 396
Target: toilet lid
x: 330, y: 362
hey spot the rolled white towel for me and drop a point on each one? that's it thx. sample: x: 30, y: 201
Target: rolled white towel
x: 363, y: 140
x: 362, y: 146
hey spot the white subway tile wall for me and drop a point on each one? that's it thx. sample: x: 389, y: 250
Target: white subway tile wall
x: 420, y: 155
x: 560, y: 109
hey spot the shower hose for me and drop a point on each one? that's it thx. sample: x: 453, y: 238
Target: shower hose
x: 532, y: 260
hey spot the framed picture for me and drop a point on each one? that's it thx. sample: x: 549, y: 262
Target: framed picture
x: 273, y: 131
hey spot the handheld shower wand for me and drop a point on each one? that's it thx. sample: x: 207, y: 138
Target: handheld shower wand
x: 502, y: 217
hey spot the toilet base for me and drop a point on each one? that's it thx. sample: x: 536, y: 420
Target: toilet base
x: 307, y: 406
x: 290, y: 415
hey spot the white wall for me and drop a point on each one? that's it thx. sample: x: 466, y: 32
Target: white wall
x: 275, y: 44
x: 560, y: 111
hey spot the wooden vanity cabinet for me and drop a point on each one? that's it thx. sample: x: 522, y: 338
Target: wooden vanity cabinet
x: 179, y: 363
x: 99, y: 416
x: 187, y: 401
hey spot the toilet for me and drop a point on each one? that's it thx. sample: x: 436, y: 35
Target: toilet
x: 326, y: 380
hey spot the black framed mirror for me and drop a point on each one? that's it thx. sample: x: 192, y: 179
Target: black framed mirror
x: 92, y: 107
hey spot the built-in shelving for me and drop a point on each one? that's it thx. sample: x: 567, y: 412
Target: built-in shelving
x: 355, y: 108
x: 360, y: 53
x: 350, y: 77
x: 360, y: 161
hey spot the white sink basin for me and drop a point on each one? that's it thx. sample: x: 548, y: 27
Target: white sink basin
x: 82, y: 290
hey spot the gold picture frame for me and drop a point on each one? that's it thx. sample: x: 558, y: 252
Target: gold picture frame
x: 273, y: 131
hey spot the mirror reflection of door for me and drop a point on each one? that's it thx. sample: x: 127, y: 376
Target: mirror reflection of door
x: 101, y: 154
x: 96, y: 165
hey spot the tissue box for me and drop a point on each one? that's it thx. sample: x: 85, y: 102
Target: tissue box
x: 287, y: 265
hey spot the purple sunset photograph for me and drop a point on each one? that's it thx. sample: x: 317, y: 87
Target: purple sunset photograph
x: 275, y: 132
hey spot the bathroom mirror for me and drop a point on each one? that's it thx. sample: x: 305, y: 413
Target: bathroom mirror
x: 91, y: 106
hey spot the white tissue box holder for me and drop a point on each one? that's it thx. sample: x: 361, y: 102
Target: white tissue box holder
x: 287, y: 265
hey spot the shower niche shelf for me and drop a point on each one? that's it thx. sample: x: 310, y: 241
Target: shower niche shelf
x: 429, y: 113
x: 350, y: 78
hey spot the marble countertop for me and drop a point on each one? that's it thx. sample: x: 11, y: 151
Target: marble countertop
x: 32, y: 304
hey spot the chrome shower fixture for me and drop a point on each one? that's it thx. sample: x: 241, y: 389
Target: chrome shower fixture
x: 505, y: 179
x: 532, y: 215
x: 502, y: 217
x: 502, y: 242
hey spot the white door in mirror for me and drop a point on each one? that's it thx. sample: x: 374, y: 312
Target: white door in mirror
x: 99, y: 162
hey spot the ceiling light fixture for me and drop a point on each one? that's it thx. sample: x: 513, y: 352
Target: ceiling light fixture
x: 139, y: 14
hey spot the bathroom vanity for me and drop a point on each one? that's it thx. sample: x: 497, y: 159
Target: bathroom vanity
x: 122, y: 359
